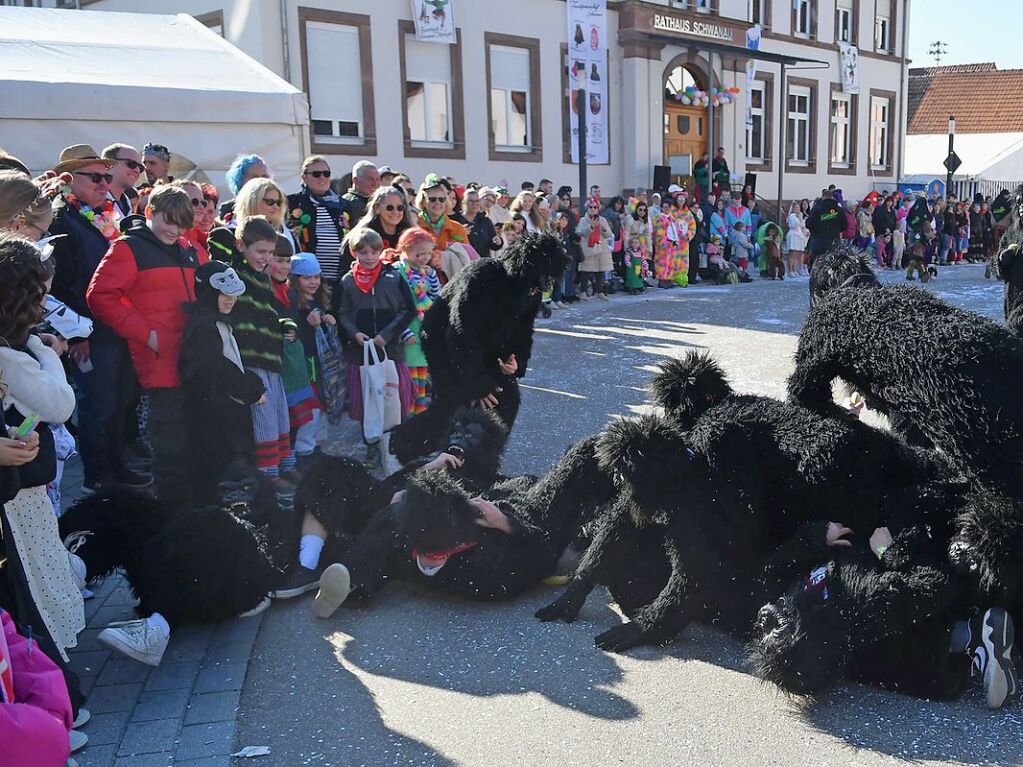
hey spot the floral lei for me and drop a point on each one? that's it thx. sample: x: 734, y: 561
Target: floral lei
x: 417, y: 280
x: 105, y: 219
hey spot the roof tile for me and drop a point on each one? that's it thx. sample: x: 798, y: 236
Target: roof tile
x: 983, y: 99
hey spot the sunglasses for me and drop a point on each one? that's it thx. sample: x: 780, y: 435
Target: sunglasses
x: 274, y: 202
x: 198, y: 203
x: 318, y: 173
x: 392, y: 208
x: 96, y: 178
x: 131, y: 163
x: 437, y: 199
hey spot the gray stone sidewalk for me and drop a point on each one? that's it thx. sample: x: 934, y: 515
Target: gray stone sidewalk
x: 180, y: 713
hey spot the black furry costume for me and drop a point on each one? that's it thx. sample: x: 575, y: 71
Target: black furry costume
x: 435, y: 515
x: 729, y: 530
x: 1007, y: 265
x: 485, y: 313
x: 950, y: 375
x: 197, y: 566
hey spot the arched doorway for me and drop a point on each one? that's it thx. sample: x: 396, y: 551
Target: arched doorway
x: 685, y: 127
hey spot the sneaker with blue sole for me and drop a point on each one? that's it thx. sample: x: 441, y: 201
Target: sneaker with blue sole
x: 993, y: 657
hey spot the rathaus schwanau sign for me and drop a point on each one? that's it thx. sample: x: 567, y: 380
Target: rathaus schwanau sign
x: 684, y: 26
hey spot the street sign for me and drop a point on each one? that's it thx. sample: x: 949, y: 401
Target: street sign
x: 952, y: 162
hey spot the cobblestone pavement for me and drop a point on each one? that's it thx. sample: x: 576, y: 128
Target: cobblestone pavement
x: 420, y: 680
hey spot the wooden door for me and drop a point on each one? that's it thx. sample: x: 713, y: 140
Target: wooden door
x: 685, y: 133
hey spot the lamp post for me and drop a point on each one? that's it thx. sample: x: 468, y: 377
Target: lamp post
x: 951, y: 153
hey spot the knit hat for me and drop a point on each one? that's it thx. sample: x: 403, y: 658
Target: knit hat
x: 305, y: 265
x: 216, y: 277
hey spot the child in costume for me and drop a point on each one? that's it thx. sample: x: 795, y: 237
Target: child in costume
x: 218, y: 389
x: 299, y: 385
x: 772, y: 249
x: 311, y: 302
x: 415, y: 247
x: 637, y: 259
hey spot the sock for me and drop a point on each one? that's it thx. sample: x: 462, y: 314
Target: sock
x: 287, y: 464
x: 960, y: 639
x: 309, y: 549
x: 157, y: 621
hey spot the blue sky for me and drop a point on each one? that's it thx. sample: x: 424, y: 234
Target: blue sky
x: 974, y: 32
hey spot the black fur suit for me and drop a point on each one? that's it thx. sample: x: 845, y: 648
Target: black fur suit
x: 731, y: 531
x: 485, y: 313
x: 950, y: 375
x: 1007, y: 265
x: 435, y: 515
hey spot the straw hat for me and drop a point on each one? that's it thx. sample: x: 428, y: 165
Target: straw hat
x: 80, y: 156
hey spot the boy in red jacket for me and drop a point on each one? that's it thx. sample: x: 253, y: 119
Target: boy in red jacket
x: 35, y: 711
x: 138, y: 290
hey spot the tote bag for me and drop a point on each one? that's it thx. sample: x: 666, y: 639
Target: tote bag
x: 332, y: 383
x: 381, y: 401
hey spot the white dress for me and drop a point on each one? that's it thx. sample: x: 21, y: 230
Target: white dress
x: 38, y: 385
x: 796, y: 236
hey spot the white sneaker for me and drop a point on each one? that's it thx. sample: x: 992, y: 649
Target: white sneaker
x: 335, y: 586
x: 84, y: 716
x: 136, y: 639
x: 78, y: 740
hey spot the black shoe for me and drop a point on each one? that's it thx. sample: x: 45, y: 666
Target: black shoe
x: 301, y: 581
x: 993, y: 657
x: 133, y: 479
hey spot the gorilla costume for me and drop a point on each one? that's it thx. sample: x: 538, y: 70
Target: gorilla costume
x: 731, y: 532
x: 434, y: 517
x: 1007, y: 265
x: 198, y: 566
x: 944, y: 375
x: 485, y: 313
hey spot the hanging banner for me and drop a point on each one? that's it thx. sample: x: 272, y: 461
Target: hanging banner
x: 435, y: 21
x: 751, y: 74
x: 849, y: 63
x: 587, y: 69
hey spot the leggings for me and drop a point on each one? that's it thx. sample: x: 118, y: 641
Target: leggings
x: 598, y: 281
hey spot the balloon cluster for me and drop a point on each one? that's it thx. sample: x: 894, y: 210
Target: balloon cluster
x: 693, y: 96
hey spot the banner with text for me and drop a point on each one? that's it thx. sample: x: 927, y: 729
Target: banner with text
x: 587, y: 69
x: 435, y: 21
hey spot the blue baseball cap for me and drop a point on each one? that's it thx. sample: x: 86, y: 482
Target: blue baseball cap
x: 305, y: 265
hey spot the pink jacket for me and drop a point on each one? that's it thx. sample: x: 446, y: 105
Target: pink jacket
x: 35, y: 711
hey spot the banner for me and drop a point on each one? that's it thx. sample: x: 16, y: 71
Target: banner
x: 435, y: 21
x: 849, y: 63
x: 587, y: 69
x: 751, y: 75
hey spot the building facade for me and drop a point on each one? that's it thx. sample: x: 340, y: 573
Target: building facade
x: 495, y: 105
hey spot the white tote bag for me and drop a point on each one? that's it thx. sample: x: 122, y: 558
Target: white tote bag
x: 381, y: 400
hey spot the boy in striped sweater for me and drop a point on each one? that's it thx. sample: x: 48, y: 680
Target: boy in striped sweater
x: 259, y: 331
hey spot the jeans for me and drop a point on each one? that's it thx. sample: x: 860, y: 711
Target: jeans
x: 105, y: 395
x: 168, y: 433
x: 569, y: 282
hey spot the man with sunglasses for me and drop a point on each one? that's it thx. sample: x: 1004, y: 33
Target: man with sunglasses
x: 103, y: 372
x: 319, y: 219
x: 126, y: 174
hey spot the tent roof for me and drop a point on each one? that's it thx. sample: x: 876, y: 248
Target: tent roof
x: 97, y: 65
x: 978, y: 151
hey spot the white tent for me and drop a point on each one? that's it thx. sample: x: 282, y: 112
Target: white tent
x: 985, y: 156
x: 70, y: 77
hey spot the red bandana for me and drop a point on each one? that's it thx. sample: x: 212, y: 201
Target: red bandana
x: 365, y: 278
x: 444, y: 554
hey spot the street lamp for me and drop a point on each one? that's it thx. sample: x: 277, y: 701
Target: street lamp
x: 951, y: 154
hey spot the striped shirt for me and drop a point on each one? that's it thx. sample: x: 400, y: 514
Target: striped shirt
x: 328, y: 245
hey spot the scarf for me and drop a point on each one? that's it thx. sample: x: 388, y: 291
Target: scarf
x: 419, y: 281
x: 594, y: 234
x: 365, y: 278
x: 104, y: 219
x: 437, y: 227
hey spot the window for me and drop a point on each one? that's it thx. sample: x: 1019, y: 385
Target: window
x: 756, y: 138
x: 703, y: 6
x: 802, y: 22
x: 513, y: 82
x: 797, y: 132
x: 841, y: 130
x: 880, y: 133
x: 883, y: 27
x: 757, y: 12
x: 340, y: 109
x: 844, y: 21
x: 428, y: 91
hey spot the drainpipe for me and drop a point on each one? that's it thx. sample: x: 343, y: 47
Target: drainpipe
x: 286, y: 47
x: 902, y: 92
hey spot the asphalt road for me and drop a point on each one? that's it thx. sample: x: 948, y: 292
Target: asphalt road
x: 417, y: 679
